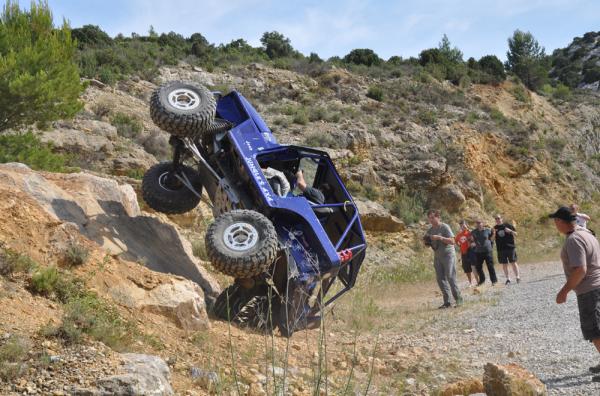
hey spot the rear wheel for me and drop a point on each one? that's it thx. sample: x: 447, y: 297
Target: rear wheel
x: 164, y: 192
x: 183, y: 109
x: 241, y: 243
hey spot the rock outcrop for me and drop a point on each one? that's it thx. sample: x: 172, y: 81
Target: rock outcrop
x: 374, y: 217
x: 143, y: 375
x: 108, y: 214
x: 511, y: 380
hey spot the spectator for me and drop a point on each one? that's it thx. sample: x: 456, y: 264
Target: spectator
x: 580, y: 258
x: 467, y: 254
x: 440, y: 238
x: 483, y: 252
x: 581, y: 218
x: 504, y: 235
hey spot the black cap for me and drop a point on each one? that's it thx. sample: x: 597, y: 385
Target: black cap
x: 563, y: 213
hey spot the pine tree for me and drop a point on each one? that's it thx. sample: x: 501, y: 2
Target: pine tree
x: 39, y: 81
x: 527, y: 59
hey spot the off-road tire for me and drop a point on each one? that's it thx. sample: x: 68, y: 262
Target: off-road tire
x: 170, y: 199
x: 186, y: 115
x: 247, y: 258
x: 244, y: 307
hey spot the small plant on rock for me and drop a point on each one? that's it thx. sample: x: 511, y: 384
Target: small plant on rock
x: 12, y: 262
x: 12, y: 358
x: 44, y: 281
x: 375, y: 93
x: 127, y: 126
x: 77, y: 254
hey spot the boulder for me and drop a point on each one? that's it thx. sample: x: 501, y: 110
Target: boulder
x: 374, y: 217
x: 75, y: 141
x: 447, y: 196
x: 511, y: 380
x: 108, y: 214
x: 463, y: 387
x: 142, y: 375
x: 181, y: 301
x: 424, y: 173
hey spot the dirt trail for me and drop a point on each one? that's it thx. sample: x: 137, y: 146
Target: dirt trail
x: 519, y: 323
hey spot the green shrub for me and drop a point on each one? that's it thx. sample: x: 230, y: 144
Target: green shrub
x: 472, y: 117
x: 88, y: 314
x: 135, y: 173
x: 427, y: 117
x: 12, y: 262
x: 562, y: 92
x: 376, y: 93
x: 27, y: 148
x: 300, y: 118
x: 127, y: 126
x: 371, y: 192
x: 317, y: 114
x: 321, y: 140
x: 44, y: 281
x: 520, y: 93
x: 13, y: 354
x: 77, y: 254
x: 409, y: 207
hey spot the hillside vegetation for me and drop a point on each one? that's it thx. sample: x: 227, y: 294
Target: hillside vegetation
x: 472, y: 137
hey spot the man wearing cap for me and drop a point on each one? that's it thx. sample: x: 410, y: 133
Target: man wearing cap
x: 580, y: 257
x: 482, y: 236
x: 504, y: 235
x: 441, y: 239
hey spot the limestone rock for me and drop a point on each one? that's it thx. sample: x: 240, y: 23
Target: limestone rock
x: 374, y: 217
x: 511, y: 380
x: 463, y: 387
x: 143, y: 375
x: 75, y: 141
x: 206, y: 379
x: 182, y: 301
x: 447, y: 196
x: 108, y: 214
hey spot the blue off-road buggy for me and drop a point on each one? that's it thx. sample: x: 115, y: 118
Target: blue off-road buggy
x: 285, y: 251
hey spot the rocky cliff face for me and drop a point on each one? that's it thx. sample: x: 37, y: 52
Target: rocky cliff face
x: 467, y: 150
x: 578, y: 65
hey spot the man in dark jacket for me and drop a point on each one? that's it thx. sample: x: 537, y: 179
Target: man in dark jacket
x: 482, y: 236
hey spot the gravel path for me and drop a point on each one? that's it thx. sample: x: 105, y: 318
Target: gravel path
x: 523, y: 324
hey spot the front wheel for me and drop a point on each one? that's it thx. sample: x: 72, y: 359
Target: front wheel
x: 164, y: 192
x: 241, y: 243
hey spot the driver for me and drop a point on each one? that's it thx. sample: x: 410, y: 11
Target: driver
x: 311, y: 193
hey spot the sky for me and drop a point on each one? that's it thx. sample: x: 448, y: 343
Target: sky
x: 335, y: 27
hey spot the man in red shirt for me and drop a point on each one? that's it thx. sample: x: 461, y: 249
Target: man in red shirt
x: 463, y: 240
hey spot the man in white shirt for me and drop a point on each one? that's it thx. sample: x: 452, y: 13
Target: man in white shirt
x: 582, y: 218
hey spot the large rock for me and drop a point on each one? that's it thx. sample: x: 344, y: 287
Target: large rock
x: 75, y: 141
x: 374, y: 217
x: 180, y: 300
x: 108, y: 214
x: 511, y: 380
x: 463, y: 387
x: 143, y: 375
x: 447, y: 196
